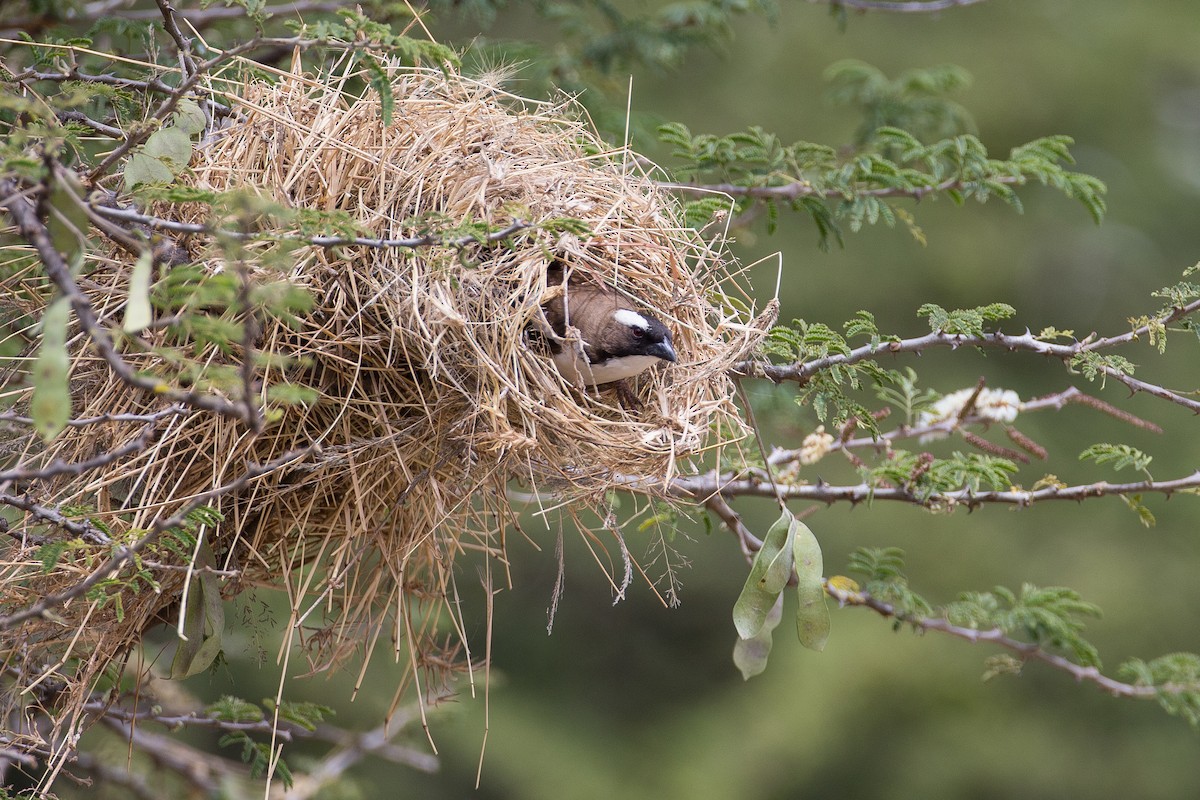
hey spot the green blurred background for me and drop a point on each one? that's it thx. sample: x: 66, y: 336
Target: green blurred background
x: 634, y: 700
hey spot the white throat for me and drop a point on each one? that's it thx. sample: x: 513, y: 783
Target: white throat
x: 578, y: 371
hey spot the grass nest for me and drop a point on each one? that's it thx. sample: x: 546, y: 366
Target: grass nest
x: 435, y: 395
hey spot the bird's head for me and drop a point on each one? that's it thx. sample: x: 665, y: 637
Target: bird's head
x: 643, y: 335
x: 618, y: 341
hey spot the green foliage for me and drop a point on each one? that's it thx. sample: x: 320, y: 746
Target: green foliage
x: 305, y: 714
x: 892, y: 158
x: 1119, y: 456
x: 166, y: 152
x: 914, y: 100
x: 883, y: 571
x: 1092, y: 364
x: 825, y: 392
x: 926, y: 476
x: 256, y: 755
x: 1047, y: 617
x: 964, y: 322
x: 234, y: 709
x: 51, y: 403
x: 1176, y: 679
x: 901, y: 392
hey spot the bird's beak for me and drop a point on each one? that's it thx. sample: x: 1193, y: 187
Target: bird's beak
x: 664, y: 351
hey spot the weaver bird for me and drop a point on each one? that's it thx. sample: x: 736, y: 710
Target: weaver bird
x: 618, y: 341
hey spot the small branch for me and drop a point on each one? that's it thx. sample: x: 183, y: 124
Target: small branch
x: 182, y: 44
x: 126, y: 553
x: 703, y: 486
x: 897, y: 6
x: 1026, y: 651
x: 197, y: 18
x: 83, y: 529
x: 59, y: 467
x: 749, y: 543
x: 802, y: 373
x: 152, y: 86
x: 145, y: 419
x: 34, y: 231
x: 1056, y: 401
x: 427, y: 240
x: 798, y: 189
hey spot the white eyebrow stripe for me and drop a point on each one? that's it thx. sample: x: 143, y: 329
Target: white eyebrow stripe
x: 631, y: 318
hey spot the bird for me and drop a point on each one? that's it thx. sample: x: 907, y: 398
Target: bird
x: 618, y: 341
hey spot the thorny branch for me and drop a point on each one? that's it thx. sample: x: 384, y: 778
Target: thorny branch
x: 125, y: 554
x: 802, y: 373
x: 898, y: 6
x: 426, y: 240
x: 702, y: 487
x: 34, y: 231
x: 1025, y: 651
x: 798, y: 189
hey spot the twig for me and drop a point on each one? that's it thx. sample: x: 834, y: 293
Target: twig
x: 801, y: 188
x: 427, y: 240
x: 169, y: 411
x: 1027, y: 651
x: 126, y: 553
x: 803, y: 372
x: 703, y: 486
x: 898, y: 6
x: 34, y: 231
x: 197, y: 18
x: 60, y: 467
x: 83, y: 529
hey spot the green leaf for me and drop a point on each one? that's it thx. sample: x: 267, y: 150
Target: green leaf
x: 763, y: 584
x: 750, y: 655
x: 137, y: 306
x: 170, y: 145
x: 812, y: 613
x: 67, y: 220
x: 142, y: 168
x: 203, y: 621
x: 189, y: 118
x: 51, y: 404
x: 1119, y: 455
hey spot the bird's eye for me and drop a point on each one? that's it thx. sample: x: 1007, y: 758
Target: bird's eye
x: 638, y: 333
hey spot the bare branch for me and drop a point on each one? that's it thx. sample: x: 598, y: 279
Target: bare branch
x: 81, y: 528
x: 60, y: 467
x: 427, y: 240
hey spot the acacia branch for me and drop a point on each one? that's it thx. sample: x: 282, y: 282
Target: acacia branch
x: 84, y: 529
x: 802, y: 188
x: 125, y: 554
x: 34, y: 231
x: 194, y: 228
x: 884, y: 441
x: 60, y: 467
x: 1026, y: 651
x: 701, y: 487
x: 803, y: 372
x: 197, y: 18
x: 898, y: 6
